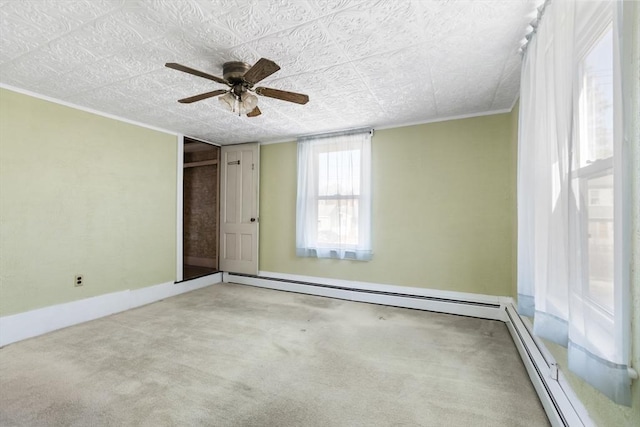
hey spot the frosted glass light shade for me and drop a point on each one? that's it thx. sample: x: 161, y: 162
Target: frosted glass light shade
x: 248, y: 102
x: 240, y: 105
x: 228, y: 101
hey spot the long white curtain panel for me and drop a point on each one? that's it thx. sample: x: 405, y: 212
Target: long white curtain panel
x: 573, y: 194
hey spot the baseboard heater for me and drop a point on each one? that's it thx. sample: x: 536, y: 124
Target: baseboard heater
x: 369, y: 291
x: 561, y: 405
x: 471, y: 308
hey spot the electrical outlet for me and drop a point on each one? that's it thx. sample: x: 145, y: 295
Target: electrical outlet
x: 78, y: 281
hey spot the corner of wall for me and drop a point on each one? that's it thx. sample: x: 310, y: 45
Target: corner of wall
x: 515, y: 113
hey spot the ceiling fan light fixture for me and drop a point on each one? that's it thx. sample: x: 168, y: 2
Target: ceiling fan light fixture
x: 248, y: 102
x: 228, y: 101
x: 240, y: 78
x: 239, y: 104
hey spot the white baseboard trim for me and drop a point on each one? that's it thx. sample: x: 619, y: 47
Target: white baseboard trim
x: 465, y: 304
x: 18, y: 327
x: 562, y: 406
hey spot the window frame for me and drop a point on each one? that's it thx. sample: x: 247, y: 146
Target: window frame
x: 598, y: 20
x: 593, y: 169
x: 317, y: 151
x: 309, y: 196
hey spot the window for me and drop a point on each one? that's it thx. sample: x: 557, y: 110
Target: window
x: 334, y: 196
x: 593, y: 171
x: 599, y: 307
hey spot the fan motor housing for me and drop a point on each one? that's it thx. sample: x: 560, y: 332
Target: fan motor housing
x: 234, y: 71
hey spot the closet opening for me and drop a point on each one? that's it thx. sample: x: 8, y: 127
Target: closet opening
x: 201, y: 178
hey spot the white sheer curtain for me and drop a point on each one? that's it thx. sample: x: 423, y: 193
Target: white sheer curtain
x: 333, y: 216
x: 599, y: 331
x: 543, y: 181
x: 566, y: 244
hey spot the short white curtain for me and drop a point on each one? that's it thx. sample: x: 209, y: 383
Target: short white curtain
x: 548, y: 220
x: 333, y: 214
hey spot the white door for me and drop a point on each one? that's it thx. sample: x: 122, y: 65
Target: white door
x: 239, y: 208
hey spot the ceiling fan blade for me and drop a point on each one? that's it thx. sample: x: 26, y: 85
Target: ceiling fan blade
x: 201, y: 96
x: 298, y: 98
x: 254, y: 113
x: 195, y: 72
x: 261, y: 70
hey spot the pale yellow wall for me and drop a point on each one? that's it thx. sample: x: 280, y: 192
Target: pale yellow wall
x: 81, y: 194
x: 442, y: 209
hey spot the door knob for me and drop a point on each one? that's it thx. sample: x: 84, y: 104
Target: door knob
x: 253, y: 220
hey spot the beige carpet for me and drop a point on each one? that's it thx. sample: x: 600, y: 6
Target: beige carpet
x: 232, y: 355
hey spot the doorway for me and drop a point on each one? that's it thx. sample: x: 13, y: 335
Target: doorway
x: 201, y: 207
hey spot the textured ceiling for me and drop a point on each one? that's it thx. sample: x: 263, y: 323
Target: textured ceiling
x: 362, y: 63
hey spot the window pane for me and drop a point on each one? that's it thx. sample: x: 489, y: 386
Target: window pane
x: 596, y: 143
x: 339, y: 173
x: 596, y: 102
x: 338, y: 222
x: 600, y: 247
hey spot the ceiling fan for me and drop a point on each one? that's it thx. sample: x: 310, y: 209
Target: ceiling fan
x: 241, y: 77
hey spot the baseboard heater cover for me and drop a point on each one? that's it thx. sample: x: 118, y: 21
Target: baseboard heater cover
x: 370, y: 291
x: 562, y: 406
x: 470, y: 308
